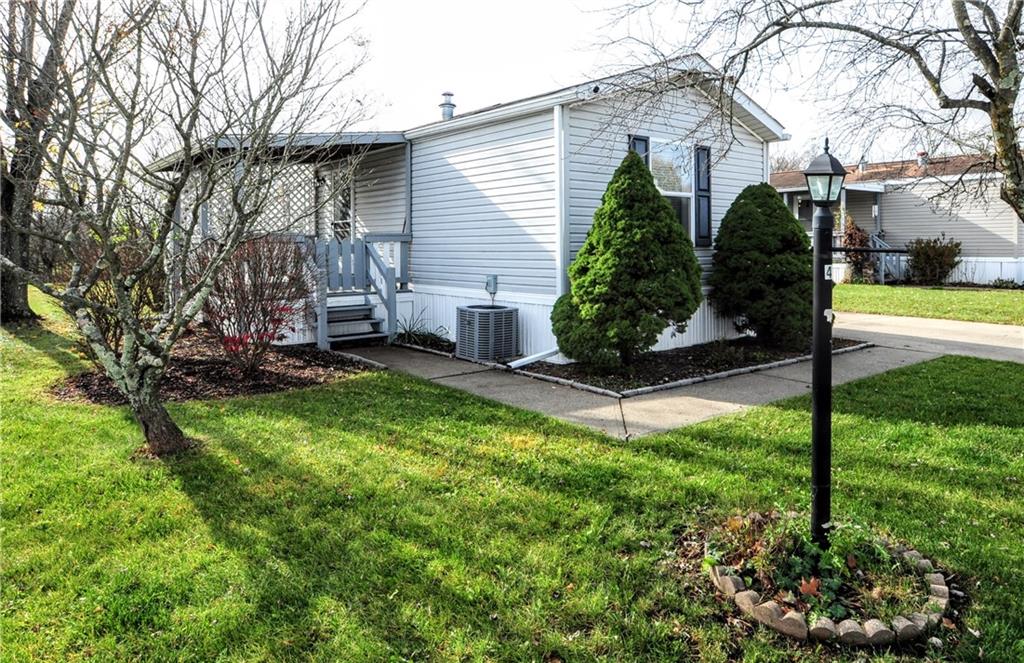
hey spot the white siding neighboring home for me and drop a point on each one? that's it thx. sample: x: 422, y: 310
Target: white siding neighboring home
x: 902, y: 201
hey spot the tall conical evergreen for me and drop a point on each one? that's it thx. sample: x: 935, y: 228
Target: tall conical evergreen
x: 762, y: 269
x: 635, y: 274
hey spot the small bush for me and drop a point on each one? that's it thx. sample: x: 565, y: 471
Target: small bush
x: 146, y: 296
x: 259, y: 290
x: 635, y: 275
x: 931, y: 261
x: 860, y: 264
x: 1005, y: 284
x: 579, y: 340
x: 762, y: 269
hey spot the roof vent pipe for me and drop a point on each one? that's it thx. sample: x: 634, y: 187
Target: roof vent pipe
x: 922, y: 158
x: 447, y: 106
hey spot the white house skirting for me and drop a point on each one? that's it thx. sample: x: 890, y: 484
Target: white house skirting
x: 986, y: 270
x: 436, y: 309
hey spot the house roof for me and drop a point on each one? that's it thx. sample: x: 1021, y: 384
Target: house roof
x: 888, y: 171
x: 745, y: 109
x: 341, y: 141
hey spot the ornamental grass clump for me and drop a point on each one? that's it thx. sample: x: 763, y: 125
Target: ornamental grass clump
x: 635, y: 275
x: 762, y: 267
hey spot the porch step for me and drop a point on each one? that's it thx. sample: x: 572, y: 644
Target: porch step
x: 349, y: 338
x: 357, y: 326
x: 349, y: 312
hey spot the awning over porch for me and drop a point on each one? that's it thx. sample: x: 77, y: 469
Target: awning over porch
x: 306, y: 147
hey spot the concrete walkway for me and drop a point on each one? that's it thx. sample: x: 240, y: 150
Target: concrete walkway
x: 896, y: 343
x: 952, y: 337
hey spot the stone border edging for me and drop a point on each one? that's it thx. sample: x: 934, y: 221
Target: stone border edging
x: 870, y: 633
x: 362, y: 360
x: 736, y: 371
x: 639, y: 391
x: 582, y: 386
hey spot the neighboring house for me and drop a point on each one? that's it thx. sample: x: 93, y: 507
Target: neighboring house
x: 898, y: 201
x: 509, y: 192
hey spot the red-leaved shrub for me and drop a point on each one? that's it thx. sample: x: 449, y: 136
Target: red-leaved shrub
x: 256, y: 296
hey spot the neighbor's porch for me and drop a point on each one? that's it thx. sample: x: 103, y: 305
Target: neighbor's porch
x: 859, y: 202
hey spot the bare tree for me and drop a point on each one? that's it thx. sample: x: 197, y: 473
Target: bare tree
x: 33, y: 43
x: 225, y: 86
x: 942, y: 73
x: 782, y: 160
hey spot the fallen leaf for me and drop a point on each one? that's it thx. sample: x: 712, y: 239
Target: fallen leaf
x: 810, y: 587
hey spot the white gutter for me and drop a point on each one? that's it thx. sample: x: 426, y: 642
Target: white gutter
x: 532, y: 358
x: 850, y: 186
x: 560, y: 117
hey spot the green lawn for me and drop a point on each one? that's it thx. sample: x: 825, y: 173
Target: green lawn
x: 387, y: 518
x: 1005, y: 307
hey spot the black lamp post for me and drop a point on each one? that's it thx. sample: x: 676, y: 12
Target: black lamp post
x: 824, y: 182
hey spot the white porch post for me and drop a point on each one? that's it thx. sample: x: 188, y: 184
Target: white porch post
x: 878, y: 212
x: 842, y: 211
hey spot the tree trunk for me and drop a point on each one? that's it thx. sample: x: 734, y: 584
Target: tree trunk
x: 14, y: 300
x: 13, y: 244
x: 163, y: 437
x: 1008, y: 155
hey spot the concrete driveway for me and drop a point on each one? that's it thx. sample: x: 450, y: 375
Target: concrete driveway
x: 899, y: 342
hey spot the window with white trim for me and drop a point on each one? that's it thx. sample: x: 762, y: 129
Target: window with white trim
x: 671, y: 164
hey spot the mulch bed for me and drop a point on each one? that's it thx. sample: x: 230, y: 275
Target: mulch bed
x: 654, y: 368
x: 199, y: 371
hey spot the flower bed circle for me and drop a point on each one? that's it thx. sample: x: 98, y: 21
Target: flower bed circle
x: 864, y: 591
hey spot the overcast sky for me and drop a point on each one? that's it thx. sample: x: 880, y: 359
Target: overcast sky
x: 488, y: 52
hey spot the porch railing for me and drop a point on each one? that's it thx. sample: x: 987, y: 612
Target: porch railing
x: 889, y: 262
x: 376, y: 266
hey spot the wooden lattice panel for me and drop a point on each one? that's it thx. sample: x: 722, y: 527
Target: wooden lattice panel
x: 289, y: 207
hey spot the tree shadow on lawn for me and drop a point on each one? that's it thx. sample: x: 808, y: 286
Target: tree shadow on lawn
x: 412, y: 528
x: 408, y: 513
x: 57, y: 348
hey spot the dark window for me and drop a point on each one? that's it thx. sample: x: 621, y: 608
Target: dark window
x: 702, y: 167
x: 642, y: 146
x: 681, y: 206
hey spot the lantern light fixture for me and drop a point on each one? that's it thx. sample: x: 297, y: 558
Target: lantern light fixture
x: 825, y: 178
